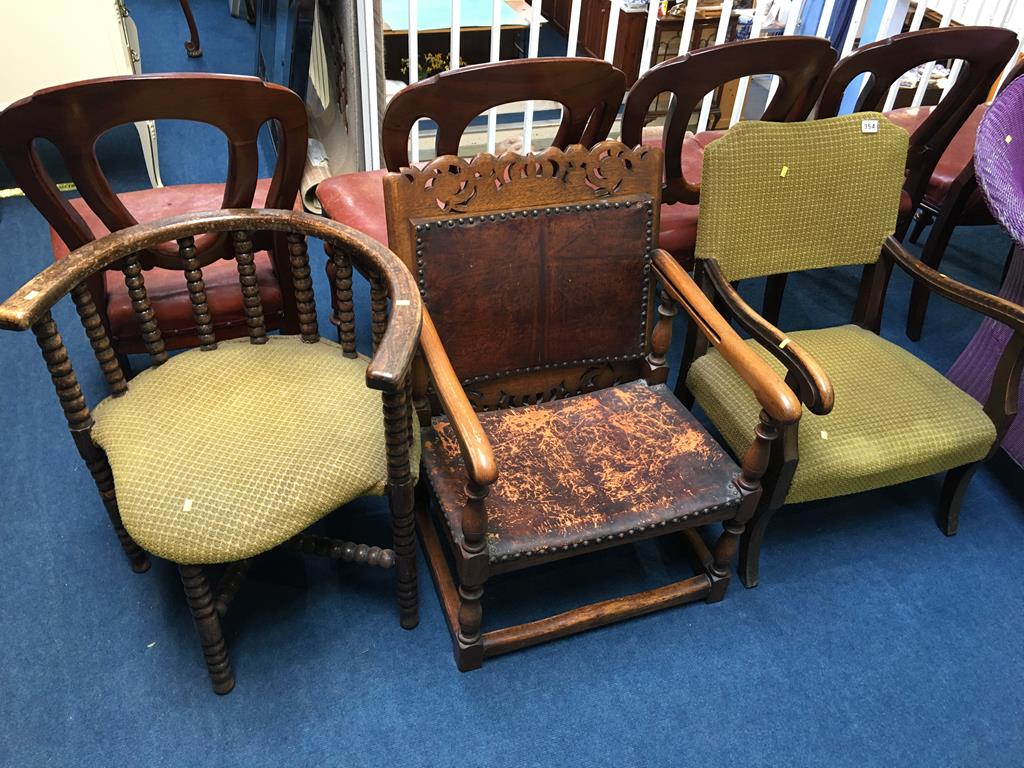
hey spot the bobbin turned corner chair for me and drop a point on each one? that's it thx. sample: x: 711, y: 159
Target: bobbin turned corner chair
x: 826, y: 193
x: 221, y: 453
x: 539, y: 273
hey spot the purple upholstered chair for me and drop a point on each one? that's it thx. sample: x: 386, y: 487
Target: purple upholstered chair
x: 999, y: 165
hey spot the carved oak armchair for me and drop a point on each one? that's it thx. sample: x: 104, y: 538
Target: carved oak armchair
x: 541, y: 360
x: 225, y: 451
x: 822, y: 194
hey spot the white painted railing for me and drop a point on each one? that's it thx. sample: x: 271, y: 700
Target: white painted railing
x: 1009, y: 13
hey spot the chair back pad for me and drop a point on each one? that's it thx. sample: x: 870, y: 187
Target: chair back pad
x: 74, y: 116
x: 533, y: 266
x: 999, y: 159
x: 801, y: 63
x: 984, y: 52
x: 589, y: 90
x: 784, y: 197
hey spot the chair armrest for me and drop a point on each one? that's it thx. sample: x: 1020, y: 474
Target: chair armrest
x: 473, y: 443
x: 814, y: 385
x: 35, y: 298
x: 390, y: 364
x: 987, y: 304
x: 771, y: 392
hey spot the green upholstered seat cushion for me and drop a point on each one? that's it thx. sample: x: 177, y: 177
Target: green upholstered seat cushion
x: 784, y: 197
x: 219, y: 455
x: 895, y: 418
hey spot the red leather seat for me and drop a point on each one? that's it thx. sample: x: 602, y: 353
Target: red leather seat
x: 957, y: 155
x: 679, y: 220
x: 223, y: 292
x: 356, y: 199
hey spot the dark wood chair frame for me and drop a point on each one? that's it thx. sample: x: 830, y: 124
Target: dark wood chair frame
x: 589, y: 90
x: 437, y: 390
x: 396, y: 331
x: 810, y: 381
x: 963, y: 204
x: 801, y: 63
x: 73, y: 117
x: 193, y: 48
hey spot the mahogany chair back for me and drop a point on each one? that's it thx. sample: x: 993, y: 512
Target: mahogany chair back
x: 984, y: 52
x: 74, y: 116
x: 589, y: 90
x: 537, y: 269
x: 802, y: 65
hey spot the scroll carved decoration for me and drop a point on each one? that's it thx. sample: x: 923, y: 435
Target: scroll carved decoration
x: 456, y: 186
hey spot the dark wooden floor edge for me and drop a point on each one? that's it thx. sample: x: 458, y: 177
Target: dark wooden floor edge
x: 501, y: 641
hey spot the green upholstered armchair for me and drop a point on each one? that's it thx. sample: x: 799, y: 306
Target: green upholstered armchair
x: 223, y: 452
x: 780, y: 198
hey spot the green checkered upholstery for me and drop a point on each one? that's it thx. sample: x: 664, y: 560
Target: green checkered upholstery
x: 895, y: 419
x: 784, y: 197
x: 223, y: 454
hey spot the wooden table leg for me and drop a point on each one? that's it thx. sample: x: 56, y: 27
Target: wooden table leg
x: 192, y: 47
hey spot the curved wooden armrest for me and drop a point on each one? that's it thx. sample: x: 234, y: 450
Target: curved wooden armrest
x: 987, y: 304
x: 814, y: 384
x: 771, y: 392
x: 390, y: 364
x: 473, y: 443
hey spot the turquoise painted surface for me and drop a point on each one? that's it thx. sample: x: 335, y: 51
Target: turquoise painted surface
x: 437, y: 14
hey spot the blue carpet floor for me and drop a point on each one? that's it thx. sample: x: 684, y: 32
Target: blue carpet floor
x: 873, y: 639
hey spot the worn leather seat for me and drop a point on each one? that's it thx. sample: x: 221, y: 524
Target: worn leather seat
x: 586, y: 469
x: 223, y: 293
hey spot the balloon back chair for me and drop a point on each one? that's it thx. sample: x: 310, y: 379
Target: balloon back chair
x: 588, y: 90
x: 73, y: 117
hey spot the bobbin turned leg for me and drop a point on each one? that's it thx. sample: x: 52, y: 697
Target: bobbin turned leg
x: 76, y: 412
x: 104, y: 479
x: 204, y: 613
x: 400, y: 496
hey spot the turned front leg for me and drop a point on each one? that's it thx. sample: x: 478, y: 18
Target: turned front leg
x: 400, y: 495
x: 207, y: 621
x: 752, y: 469
x: 473, y: 572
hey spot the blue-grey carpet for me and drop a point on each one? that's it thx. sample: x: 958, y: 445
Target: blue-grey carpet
x: 873, y: 639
